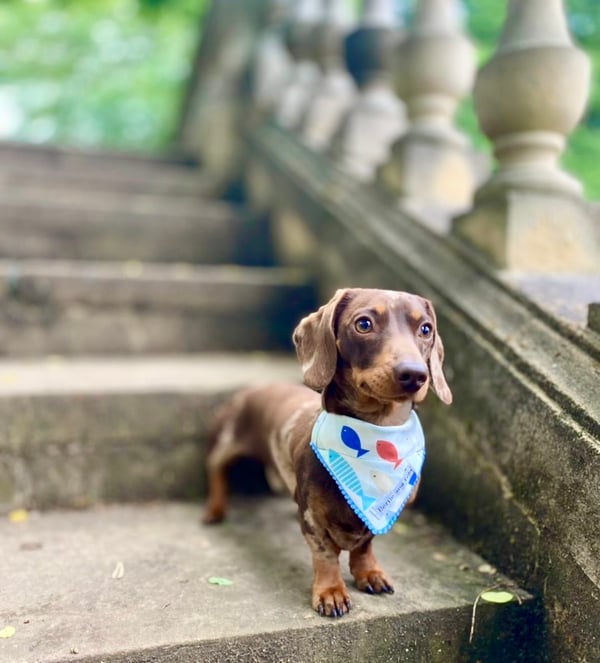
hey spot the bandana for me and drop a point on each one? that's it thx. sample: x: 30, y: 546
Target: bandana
x: 375, y: 467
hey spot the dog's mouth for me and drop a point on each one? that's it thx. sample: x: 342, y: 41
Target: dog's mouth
x: 390, y: 392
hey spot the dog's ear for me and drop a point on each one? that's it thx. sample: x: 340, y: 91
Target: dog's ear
x: 314, y: 338
x: 436, y: 360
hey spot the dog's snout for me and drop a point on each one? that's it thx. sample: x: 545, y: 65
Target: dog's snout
x: 411, y: 375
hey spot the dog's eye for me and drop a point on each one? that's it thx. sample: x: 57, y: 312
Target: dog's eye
x: 363, y: 325
x: 426, y: 329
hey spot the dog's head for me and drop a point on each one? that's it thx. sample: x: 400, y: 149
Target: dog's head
x: 385, y: 342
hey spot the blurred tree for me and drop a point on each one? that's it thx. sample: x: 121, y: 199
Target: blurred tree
x: 108, y: 72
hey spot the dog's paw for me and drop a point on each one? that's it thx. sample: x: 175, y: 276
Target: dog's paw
x: 373, y: 582
x: 213, y: 516
x: 332, y: 601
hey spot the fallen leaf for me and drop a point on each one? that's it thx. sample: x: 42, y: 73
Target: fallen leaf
x: 18, y: 516
x: 119, y: 571
x: 222, y: 582
x: 7, y: 632
x: 497, y: 596
x: 486, y: 568
x: 133, y: 268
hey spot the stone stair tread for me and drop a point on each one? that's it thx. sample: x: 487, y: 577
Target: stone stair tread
x: 120, y: 428
x: 132, y: 583
x: 46, y: 201
x: 177, y: 180
x: 105, y: 307
x: 15, y: 152
x: 96, y: 275
x: 192, y: 373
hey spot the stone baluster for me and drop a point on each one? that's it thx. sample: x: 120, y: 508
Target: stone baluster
x: 336, y: 90
x: 271, y: 66
x: 530, y: 215
x: 377, y: 117
x: 432, y: 167
x: 299, y: 35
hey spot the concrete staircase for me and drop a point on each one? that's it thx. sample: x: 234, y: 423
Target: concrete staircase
x: 131, y: 304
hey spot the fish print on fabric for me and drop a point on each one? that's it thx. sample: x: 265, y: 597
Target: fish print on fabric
x: 388, y: 451
x: 351, y: 439
x: 376, y: 468
x: 349, y: 477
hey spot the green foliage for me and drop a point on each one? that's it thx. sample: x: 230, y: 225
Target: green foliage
x: 107, y: 72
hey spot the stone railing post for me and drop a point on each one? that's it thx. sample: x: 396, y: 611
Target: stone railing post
x: 377, y: 117
x: 335, y: 90
x: 305, y: 74
x: 530, y: 214
x: 432, y: 167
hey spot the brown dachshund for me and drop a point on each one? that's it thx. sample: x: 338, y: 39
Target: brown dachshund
x: 372, y: 354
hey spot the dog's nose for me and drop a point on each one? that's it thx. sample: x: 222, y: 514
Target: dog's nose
x: 411, y: 375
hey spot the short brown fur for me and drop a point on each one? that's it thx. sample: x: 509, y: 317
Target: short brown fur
x: 376, y: 371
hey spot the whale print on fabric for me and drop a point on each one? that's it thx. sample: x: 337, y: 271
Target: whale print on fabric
x: 348, y: 477
x: 351, y: 439
x: 388, y: 451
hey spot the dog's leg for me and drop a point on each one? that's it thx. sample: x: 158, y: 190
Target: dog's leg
x: 223, y: 453
x: 330, y: 596
x: 367, y: 573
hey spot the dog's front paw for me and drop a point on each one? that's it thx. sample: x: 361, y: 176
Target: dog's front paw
x: 373, y: 581
x: 332, y: 601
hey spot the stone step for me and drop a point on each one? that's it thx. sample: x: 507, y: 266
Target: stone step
x: 120, y: 178
x: 133, y: 583
x: 94, y: 226
x: 76, y: 307
x: 15, y: 153
x: 77, y: 431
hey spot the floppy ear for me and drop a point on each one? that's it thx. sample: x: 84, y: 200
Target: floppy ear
x: 436, y: 359
x: 314, y: 339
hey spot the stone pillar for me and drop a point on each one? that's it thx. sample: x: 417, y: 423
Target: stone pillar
x: 377, y: 117
x: 530, y: 214
x: 305, y: 76
x: 432, y: 167
x: 336, y: 90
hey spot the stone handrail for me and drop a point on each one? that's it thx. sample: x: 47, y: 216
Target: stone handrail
x: 386, y: 191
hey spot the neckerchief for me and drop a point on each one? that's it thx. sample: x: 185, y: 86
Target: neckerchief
x: 375, y: 467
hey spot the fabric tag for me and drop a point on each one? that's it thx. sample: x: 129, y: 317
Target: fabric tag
x: 375, y: 467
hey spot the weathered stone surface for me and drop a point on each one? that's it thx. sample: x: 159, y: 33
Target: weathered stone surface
x: 514, y: 464
x: 124, y: 584
x: 100, y: 162
x: 81, y: 308
x: 540, y: 231
x: 133, y: 228
x: 78, y: 431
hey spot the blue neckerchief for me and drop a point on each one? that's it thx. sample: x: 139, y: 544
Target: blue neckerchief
x: 375, y: 467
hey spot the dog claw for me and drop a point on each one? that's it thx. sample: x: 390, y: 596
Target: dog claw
x: 369, y: 589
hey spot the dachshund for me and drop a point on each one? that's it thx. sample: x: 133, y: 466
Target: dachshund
x: 368, y: 357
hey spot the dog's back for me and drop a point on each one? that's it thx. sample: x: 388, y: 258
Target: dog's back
x: 271, y: 423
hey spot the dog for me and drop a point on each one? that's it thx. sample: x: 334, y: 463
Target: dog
x: 368, y: 357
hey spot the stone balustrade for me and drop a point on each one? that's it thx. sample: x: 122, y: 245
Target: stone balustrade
x: 377, y: 116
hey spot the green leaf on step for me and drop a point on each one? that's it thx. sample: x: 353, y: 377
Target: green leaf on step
x: 222, y: 582
x: 497, y: 596
x: 7, y: 632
